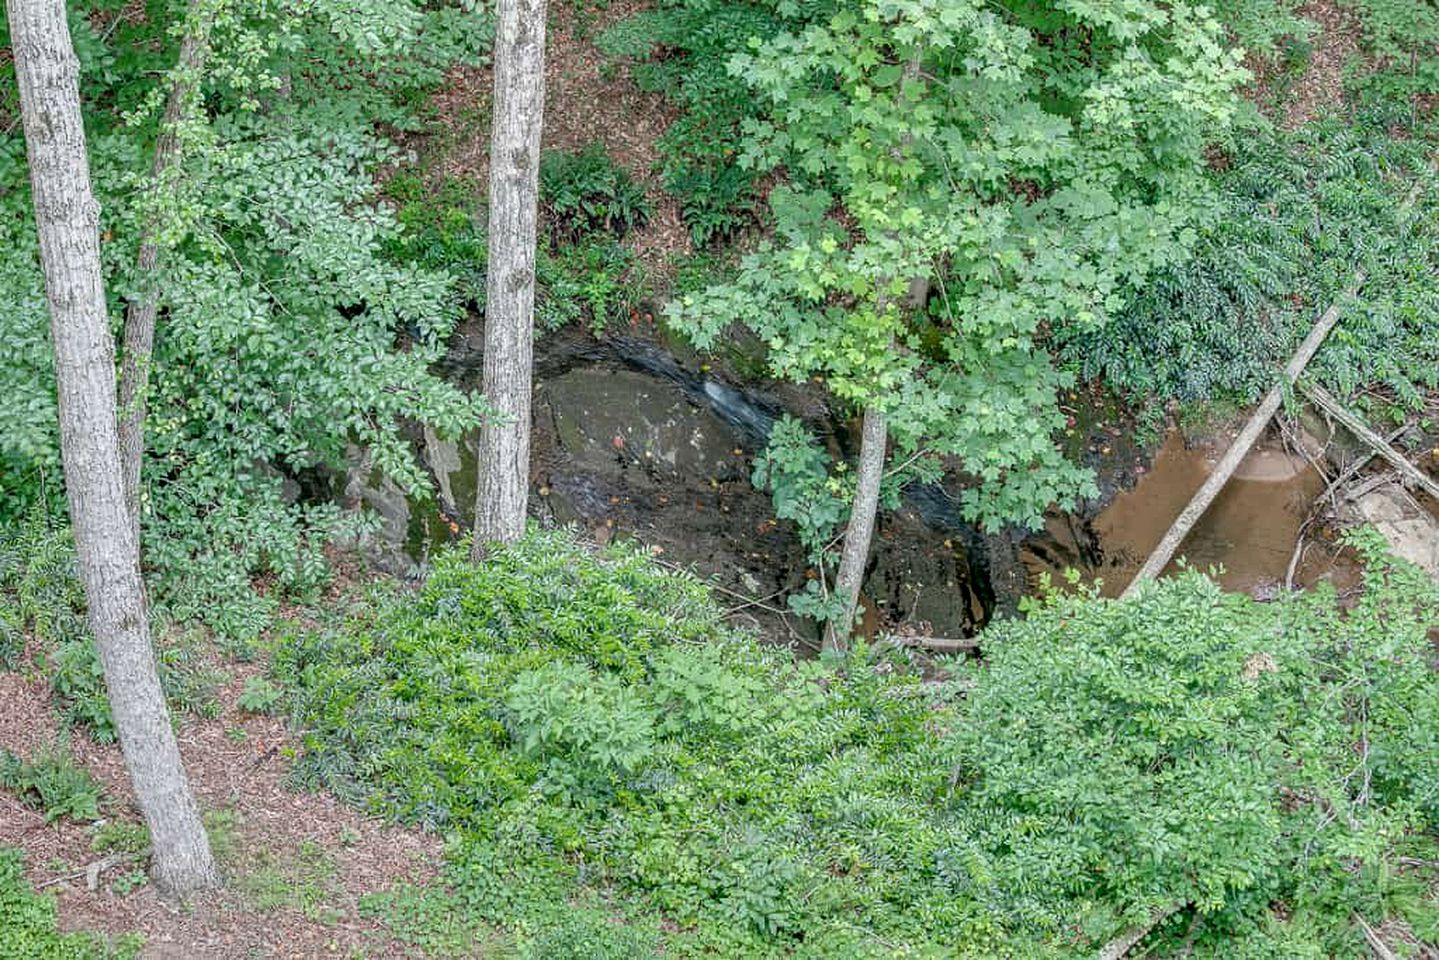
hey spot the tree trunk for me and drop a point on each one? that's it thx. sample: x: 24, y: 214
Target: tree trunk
x: 857, y: 536
x: 67, y: 219
x: 504, y: 464
x: 873, y: 441
x: 140, y: 312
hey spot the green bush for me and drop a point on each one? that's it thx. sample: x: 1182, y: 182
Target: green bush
x: 595, y: 279
x: 28, y: 927
x: 51, y: 781
x: 408, y: 711
x: 612, y: 767
x: 1293, y: 218
x: 586, y: 192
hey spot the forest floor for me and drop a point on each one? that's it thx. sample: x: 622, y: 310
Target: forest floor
x: 298, y: 864
x: 589, y: 98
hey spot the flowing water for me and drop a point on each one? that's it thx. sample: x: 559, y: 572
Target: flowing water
x: 630, y: 441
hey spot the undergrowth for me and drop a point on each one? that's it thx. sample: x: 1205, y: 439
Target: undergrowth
x: 51, y: 781
x: 28, y: 924
x: 620, y: 775
x: 41, y: 598
x: 1292, y: 220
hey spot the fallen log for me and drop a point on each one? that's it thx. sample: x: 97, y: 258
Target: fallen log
x: 1352, y: 422
x: 1215, y: 482
x: 1122, y: 944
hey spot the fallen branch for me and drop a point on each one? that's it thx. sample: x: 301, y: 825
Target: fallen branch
x: 1363, y: 487
x: 939, y: 644
x: 1380, y: 948
x: 1186, y: 520
x: 92, y: 872
x: 1360, y: 462
x: 1355, y: 425
x: 1125, y: 942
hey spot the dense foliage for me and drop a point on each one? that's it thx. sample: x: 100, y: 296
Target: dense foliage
x: 620, y: 775
x: 1293, y: 219
x: 283, y: 297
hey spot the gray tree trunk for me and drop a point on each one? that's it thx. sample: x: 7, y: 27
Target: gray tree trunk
x: 857, y: 536
x: 140, y: 312
x: 67, y: 218
x: 873, y: 440
x: 504, y: 466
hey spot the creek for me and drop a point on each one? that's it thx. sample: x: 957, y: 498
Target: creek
x: 634, y: 439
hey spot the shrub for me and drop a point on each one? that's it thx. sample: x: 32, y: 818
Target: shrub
x: 614, y: 769
x: 28, y: 923
x: 51, y: 781
x: 683, y: 51
x: 586, y: 192
x: 596, y: 279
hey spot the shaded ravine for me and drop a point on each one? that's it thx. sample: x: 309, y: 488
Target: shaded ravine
x: 630, y: 441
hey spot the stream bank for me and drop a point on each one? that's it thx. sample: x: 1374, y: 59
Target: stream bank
x: 636, y: 438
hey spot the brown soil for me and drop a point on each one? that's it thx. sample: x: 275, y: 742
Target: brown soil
x: 1319, y: 89
x: 273, y: 842
x: 588, y: 98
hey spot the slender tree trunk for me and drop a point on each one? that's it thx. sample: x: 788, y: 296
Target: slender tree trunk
x: 67, y: 219
x: 141, y: 311
x: 857, y: 536
x: 854, y: 556
x: 504, y: 468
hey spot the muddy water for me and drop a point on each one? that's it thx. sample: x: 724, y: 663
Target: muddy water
x: 1249, y: 533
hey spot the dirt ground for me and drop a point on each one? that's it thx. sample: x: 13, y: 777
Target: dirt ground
x: 296, y: 864
x: 588, y: 98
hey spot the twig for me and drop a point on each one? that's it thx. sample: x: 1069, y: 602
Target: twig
x: 1368, y: 486
x: 1298, y: 553
x: 1360, y: 429
x: 92, y: 872
x: 760, y: 602
x: 748, y: 601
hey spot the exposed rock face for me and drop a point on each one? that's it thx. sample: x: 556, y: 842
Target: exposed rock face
x: 608, y: 420
x: 1412, y: 532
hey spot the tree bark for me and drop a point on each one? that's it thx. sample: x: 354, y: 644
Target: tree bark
x: 857, y: 536
x: 140, y: 312
x: 67, y: 218
x: 874, y: 439
x: 504, y: 455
